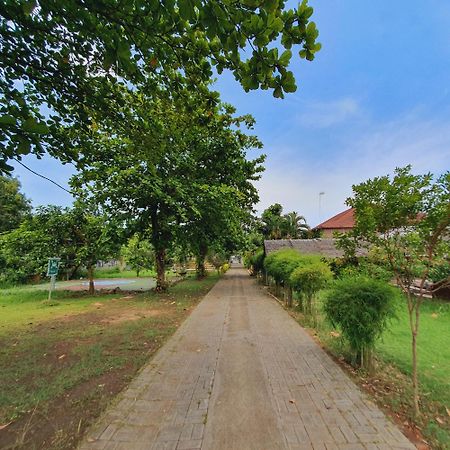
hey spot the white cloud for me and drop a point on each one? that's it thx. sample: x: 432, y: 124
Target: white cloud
x: 327, y: 114
x: 371, y: 151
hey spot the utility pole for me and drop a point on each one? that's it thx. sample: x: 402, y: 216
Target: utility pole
x: 320, y: 206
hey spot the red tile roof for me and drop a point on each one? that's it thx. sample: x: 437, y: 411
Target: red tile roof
x: 345, y: 219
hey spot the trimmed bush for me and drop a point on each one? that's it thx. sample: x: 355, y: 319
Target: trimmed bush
x: 361, y: 308
x: 307, y: 279
x: 280, y: 264
x: 257, y: 262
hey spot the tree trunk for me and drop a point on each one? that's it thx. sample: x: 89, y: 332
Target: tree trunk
x: 73, y: 271
x: 414, y: 315
x: 137, y: 272
x: 366, y: 358
x: 91, y: 279
x: 289, y: 296
x: 161, y: 283
x: 201, y: 270
x: 414, y: 374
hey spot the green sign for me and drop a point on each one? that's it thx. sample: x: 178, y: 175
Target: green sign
x: 53, y: 265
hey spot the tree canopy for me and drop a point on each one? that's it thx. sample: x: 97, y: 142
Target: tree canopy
x: 62, y: 59
x: 79, y: 236
x: 14, y: 206
x: 172, y: 172
x: 407, y: 218
x: 275, y: 225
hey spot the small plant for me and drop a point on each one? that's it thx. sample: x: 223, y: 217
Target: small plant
x: 139, y: 254
x: 256, y: 262
x: 361, y: 308
x: 218, y: 260
x: 307, y: 280
x: 279, y: 265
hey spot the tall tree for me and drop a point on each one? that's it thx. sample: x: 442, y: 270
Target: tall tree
x: 408, y: 218
x: 95, y: 237
x: 156, y: 169
x: 275, y: 225
x: 65, y: 56
x: 14, y: 206
x: 79, y: 236
x: 272, y: 222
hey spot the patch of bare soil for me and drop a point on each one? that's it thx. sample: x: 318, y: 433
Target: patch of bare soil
x: 131, y: 315
x: 60, y: 423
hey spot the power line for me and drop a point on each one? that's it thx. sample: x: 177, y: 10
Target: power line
x: 43, y: 176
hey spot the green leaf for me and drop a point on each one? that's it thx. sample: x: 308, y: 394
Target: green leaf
x: 28, y: 7
x: 186, y: 8
x: 32, y: 126
x: 24, y: 146
x: 288, y: 82
x: 123, y: 50
x: 7, y: 120
x: 275, y: 23
x: 278, y: 92
x: 285, y: 58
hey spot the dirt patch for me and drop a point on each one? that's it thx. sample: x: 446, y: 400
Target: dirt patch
x: 89, y: 356
x: 130, y: 316
x: 63, y: 421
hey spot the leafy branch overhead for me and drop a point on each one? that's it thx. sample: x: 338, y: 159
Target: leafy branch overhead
x: 60, y: 59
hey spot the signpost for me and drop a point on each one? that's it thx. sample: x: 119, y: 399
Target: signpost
x: 52, y: 271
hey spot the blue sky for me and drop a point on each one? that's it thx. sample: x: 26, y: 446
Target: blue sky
x: 376, y: 97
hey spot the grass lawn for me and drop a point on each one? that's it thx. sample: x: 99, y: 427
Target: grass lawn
x: 433, y: 348
x: 433, y: 361
x: 391, y: 385
x: 22, y: 308
x: 63, y: 362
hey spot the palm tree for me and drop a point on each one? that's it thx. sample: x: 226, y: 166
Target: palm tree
x: 295, y: 226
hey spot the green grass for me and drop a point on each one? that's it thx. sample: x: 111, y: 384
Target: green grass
x: 433, y: 348
x: 21, y: 307
x: 44, y: 361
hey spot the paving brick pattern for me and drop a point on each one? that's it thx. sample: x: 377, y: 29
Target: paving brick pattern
x: 241, y: 374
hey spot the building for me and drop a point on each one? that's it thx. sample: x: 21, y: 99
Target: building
x: 341, y: 223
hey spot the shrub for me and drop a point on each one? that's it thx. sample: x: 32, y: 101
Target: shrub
x: 307, y: 279
x: 224, y: 267
x: 281, y: 263
x: 361, y: 308
x: 440, y: 271
x: 340, y: 265
x: 255, y: 262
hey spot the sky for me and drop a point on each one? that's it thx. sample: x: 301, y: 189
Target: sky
x: 376, y: 97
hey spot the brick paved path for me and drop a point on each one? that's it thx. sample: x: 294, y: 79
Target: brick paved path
x: 241, y: 374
